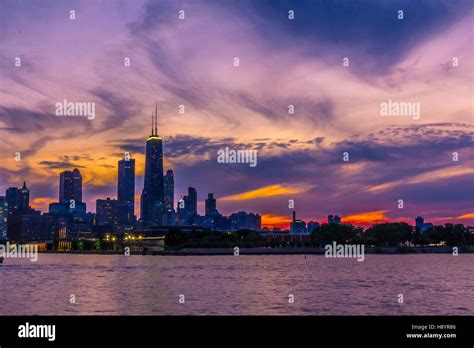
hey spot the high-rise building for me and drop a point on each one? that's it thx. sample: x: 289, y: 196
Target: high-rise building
x: 243, y: 220
x: 126, y: 186
x: 421, y: 225
x: 152, y: 196
x: 169, y: 190
x: 187, y: 208
x: 24, y: 203
x: 3, y: 217
x: 18, y: 199
x: 12, y: 196
x: 334, y: 219
x: 297, y: 226
x: 111, y: 212
x: 210, y: 204
x: 23, y: 223
x: 181, y: 213
x: 70, y: 194
x: 70, y: 186
x: 25, y: 226
x: 191, y: 201
x: 419, y: 221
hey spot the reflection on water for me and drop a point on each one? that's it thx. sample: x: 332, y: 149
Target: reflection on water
x: 244, y: 285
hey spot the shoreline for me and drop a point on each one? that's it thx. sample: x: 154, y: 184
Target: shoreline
x: 268, y: 251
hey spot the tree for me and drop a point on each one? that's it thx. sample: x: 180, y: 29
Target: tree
x: 175, y: 237
x: 455, y: 235
x: 389, y: 234
x: 420, y: 238
x: 339, y: 233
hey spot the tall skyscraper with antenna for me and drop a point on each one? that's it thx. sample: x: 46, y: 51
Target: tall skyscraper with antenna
x: 152, y: 198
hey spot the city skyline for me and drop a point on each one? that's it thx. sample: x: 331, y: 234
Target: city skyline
x: 70, y: 186
x: 205, y: 103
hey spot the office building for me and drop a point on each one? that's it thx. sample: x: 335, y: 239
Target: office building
x: 210, y: 205
x: 70, y: 186
x: 153, y: 188
x: 3, y: 218
x: 169, y: 190
x: 126, y: 186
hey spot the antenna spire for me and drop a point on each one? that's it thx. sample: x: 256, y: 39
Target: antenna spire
x: 156, y: 118
x: 152, y: 126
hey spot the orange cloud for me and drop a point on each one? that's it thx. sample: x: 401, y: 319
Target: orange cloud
x: 42, y: 203
x: 466, y: 216
x: 372, y: 217
x: 273, y: 221
x: 439, y: 174
x: 266, y: 191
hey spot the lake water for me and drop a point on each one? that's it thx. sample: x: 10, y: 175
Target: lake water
x: 238, y: 285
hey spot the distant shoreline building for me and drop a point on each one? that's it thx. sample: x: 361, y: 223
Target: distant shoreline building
x: 421, y: 225
x: 334, y: 219
x: 297, y: 226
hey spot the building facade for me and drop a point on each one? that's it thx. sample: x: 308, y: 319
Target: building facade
x: 126, y: 186
x: 3, y: 218
x: 169, y: 190
x: 152, y: 198
x: 211, y: 205
x: 70, y: 186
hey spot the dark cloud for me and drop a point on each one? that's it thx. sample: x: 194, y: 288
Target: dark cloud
x: 372, y: 25
x: 155, y: 14
x: 324, y: 29
x: 117, y: 109
x: 42, y: 120
x: 59, y: 165
x: 21, y: 120
x: 181, y: 145
x: 129, y: 145
x: 416, y: 150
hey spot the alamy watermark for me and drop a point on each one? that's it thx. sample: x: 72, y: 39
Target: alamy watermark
x: 345, y: 250
x: 237, y: 156
x: 67, y: 108
x: 37, y: 331
x: 405, y: 109
x: 17, y: 251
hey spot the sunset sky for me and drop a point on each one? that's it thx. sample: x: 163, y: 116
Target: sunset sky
x: 190, y: 62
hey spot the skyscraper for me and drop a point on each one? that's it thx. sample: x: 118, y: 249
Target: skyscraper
x: 169, y: 190
x: 3, y: 217
x: 126, y: 186
x: 70, y: 186
x: 152, y: 198
x: 191, y: 201
x: 210, y: 204
x: 334, y: 219
x: 13, y: 198
x: 243, y: 220
x: 419, y: 221
x: 187, y: 208
x: 23, y: 223
x: 24, y: 198
x: 297, y: 226
x: 421, y: 225
x: 111, y: 211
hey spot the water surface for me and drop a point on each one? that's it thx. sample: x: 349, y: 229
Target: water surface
x: 244, y: 285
